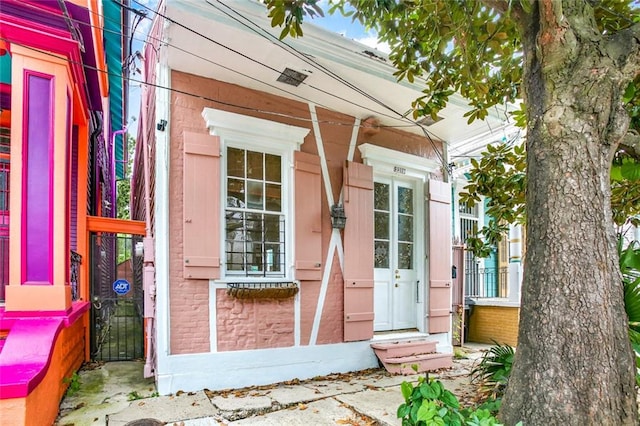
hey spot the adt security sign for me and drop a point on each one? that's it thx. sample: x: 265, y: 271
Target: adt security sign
x: 121, y: 286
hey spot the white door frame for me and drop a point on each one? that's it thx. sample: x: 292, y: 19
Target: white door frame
x: 396, y: 290
x: 389, y: 163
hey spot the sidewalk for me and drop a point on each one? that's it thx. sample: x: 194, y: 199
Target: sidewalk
x: 114, y: 394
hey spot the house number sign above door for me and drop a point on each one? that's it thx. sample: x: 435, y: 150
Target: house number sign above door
x: 400, y: 170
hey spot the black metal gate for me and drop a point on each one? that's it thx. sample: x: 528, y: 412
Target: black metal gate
x: 117, y: 329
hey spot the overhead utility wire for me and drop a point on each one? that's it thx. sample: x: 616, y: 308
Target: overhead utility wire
x: 327, y: 71
x: 331, y: 94
x: 333, y: 75
x: 425, y: 132
x: 143, y: 16
x: 183, y: 92
x: 292, y: 50
x: 295, y: 95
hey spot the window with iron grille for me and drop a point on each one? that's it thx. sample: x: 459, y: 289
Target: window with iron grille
x: 255, y: 217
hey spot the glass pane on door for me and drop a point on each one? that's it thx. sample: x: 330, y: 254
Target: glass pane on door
x: 382, y: 220
x: 405, y: 228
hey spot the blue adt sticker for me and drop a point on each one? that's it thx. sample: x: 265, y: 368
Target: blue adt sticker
x: 121, y: 286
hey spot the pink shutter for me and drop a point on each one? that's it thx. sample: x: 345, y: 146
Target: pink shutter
x: 358, y: 252
x: 201, y: 228
x: 308, y: 193
x: 439, y: 257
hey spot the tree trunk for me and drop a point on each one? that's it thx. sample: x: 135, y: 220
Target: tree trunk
x: 574, y: 364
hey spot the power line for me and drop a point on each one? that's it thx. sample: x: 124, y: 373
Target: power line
x: 424, y: 130
x: 295, y: 95
x: 331, y: 94
x: 183, y: 92
x: 142, y: 15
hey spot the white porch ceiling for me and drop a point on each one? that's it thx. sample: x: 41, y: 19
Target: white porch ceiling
x: 236, y: 44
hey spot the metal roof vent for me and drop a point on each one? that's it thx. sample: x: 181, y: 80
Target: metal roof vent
x: 292, y: 77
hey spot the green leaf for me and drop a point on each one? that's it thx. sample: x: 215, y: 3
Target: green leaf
x: 629, y: 93
x: 427, y: 391
x: 449, y: 399
x: 403, y: 410
x: 526, y: 6
x: 427, y: 411
x: 407, y: 390
x: 631, y: 170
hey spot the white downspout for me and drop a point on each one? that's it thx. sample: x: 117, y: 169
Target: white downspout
x: 148, y: 277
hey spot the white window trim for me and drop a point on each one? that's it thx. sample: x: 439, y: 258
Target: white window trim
x: 385, y: 160
x: 251, y: 133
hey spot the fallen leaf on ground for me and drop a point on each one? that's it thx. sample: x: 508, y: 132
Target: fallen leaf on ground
x: 347, y: 422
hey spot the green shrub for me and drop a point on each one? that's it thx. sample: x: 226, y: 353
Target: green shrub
x: 630, y: 268
x: 493, y: 370
x: 429, y: 403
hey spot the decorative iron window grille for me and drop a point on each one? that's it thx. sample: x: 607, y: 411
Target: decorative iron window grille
x: 280, y: 290
x: 74, y: 275
x: 255, y: 244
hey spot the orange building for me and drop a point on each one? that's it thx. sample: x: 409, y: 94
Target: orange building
x: 61, y: 97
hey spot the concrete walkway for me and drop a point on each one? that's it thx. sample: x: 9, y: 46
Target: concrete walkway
x: 114, y: 394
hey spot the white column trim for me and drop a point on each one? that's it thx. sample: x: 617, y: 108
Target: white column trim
x: 163, y: 111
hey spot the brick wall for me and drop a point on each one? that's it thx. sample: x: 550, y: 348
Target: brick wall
x: 253, y: 323
x: 499, y: 323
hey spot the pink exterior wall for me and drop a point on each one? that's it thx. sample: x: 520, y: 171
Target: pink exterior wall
x: 331, y: 323
x: 189, y: 305
x: 309, y: 293
x: 253, y: 324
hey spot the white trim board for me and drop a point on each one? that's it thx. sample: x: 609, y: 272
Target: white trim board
x: 236, y: 369
x: 385, y: 160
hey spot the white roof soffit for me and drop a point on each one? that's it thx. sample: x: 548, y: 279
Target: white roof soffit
x: 240, y: 47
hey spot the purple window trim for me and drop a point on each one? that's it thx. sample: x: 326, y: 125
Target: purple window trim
x: 67, y: 188
x: 73, y: 227
x: 37, y: 175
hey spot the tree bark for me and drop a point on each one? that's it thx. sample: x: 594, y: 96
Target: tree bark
x: 574, y: 364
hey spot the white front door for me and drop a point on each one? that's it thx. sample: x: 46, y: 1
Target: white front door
x: 395, y: 274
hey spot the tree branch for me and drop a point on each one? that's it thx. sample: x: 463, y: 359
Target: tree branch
x: 631, y: 144
x: 502, y: 6
x: 624, y: 47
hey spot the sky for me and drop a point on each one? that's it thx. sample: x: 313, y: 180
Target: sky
x: 336, y: 23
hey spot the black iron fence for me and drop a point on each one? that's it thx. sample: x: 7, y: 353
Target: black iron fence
x: 117, y: 298
x: 486, y: 282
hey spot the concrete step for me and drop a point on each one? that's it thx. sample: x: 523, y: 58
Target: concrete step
x: 406, y: 348
x: 424, y: 362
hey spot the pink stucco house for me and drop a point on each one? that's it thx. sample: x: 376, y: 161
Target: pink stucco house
x: 251, y: 152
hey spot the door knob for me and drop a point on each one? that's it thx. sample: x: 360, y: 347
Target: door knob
x: 396, y: 284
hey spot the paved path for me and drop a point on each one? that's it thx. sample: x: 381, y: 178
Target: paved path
x: 107, y: 397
